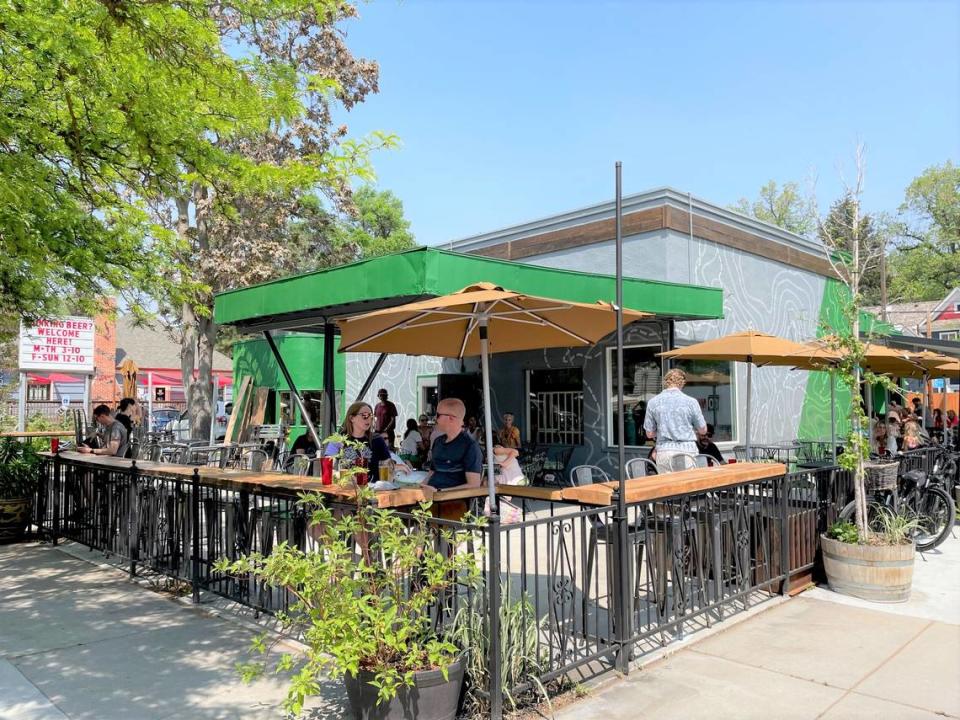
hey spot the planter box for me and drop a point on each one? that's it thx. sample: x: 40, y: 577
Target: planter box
x: 14, y: 518
x: 880, y: 573
x: 431, y: 697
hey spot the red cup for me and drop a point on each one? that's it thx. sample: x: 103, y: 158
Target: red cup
x: 361, y: 478
x: 731, y: 461
x: 54, y: 445
x: 326, y: 470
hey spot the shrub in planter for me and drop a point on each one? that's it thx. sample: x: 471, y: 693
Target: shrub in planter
x: 19, y: 468
x: 878, y: 566
x: 366, y: 617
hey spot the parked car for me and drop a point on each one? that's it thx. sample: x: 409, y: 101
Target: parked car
x: 181, y: 426
x: 163, y: 417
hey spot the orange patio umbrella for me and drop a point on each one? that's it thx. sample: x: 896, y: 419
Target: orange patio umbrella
x: 477, y: 320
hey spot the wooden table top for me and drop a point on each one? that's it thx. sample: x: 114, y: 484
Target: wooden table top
x: 272, y: 480
x: 656, y: 487
x: 39, y: 434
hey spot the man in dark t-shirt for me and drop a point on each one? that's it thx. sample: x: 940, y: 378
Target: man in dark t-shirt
x: 456, y: 458
x: 386, y: 414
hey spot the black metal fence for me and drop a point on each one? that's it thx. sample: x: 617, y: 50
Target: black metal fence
x: 590, y: 588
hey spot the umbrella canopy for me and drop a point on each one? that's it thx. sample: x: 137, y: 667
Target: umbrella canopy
x: 448, y: 326
x: 878, y: 358
x: 477, y: 320
x: 128, y: 371
x: 749, y: 346
x: 949, y: 369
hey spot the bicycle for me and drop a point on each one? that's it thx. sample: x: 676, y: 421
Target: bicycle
x: 922, y: 497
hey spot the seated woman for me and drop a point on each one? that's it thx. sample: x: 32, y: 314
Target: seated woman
x: 510, y: 473
x: 410, y: 445
x: 357, y: 427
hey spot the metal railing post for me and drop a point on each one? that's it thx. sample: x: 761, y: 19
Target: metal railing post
x: 195, y: 514
x: 132, y: 525
x: 493, y: 589
x: 55, y: 492
x: 785, y: 533
x: 621, y: 583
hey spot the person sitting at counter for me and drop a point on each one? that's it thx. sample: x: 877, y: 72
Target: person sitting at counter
x: 357, y: 426
x: 114, y: 433
x: 455, y: 456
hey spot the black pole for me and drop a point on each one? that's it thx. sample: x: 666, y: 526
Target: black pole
x: 493, y: 589
x: 329, y: 380
x: 293, y: 389
x: 132, y: 525
x: 57, y: 484
x: 622, y: 608
x: 195, y: 540
x: 371, y: 377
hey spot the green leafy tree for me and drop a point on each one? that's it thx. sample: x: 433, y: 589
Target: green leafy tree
x: 926, y: 262
x: 784, y: 207
x: 377, y: 226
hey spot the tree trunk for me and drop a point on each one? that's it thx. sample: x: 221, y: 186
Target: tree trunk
x: 203, y: 388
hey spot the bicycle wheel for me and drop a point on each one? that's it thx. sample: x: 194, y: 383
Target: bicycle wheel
x: 935, y: 513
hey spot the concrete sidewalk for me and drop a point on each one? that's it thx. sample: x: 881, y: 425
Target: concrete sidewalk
x: 819, y: 655
x: 80, y: 641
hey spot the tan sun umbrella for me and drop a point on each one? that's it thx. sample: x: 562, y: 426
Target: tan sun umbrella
x: 751, y: 347
x: 128, y: 372
x: 477, y: 320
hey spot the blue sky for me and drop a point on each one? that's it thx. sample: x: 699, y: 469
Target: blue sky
x: 512, y: 111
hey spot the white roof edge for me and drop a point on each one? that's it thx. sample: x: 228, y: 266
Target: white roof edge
x: 942, y: 305
x: 634, y: 203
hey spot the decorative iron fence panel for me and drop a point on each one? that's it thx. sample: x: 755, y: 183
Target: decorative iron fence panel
x: 581, y: 587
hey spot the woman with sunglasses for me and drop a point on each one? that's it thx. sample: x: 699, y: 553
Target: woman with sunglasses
x: 357, y: 426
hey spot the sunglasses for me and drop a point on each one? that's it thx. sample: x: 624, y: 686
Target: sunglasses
x: 447, y: 414
x: 364, y: 415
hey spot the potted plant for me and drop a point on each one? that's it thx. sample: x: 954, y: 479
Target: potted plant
x: 366, y: 616
x: 877, y: 567
x: 19, y: 468
x: 854, y: 246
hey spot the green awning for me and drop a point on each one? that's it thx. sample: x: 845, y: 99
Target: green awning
x: 304, y: 302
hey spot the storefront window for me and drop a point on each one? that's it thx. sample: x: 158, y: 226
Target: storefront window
x: 314, y: 401
x: 555, y: 406
x: 642, y: 378
x: 711, y: 383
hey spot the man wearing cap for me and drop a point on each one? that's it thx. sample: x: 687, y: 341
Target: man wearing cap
x: 674, y: 420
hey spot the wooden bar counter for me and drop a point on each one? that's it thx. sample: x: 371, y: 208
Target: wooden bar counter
x: 657, y: 487
x: 268, y: 480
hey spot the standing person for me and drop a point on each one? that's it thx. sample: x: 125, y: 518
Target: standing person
x: 509, y: 435
x: 673, y: 421
x: 115, y: 434
x: 455, y: 455
x: 386, y: 413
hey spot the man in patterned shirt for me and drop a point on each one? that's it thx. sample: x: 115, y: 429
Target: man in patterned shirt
x: 674, y: 421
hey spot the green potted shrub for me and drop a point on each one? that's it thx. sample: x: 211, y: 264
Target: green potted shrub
x: 19, y: 477
x: 366, y: 616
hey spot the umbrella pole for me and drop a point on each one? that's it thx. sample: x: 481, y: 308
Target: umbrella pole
x: 749, y: 397
x: 487, y: 414
x: 833, y: 417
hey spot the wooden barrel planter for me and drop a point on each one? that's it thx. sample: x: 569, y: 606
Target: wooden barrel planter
x: 879, y: 573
